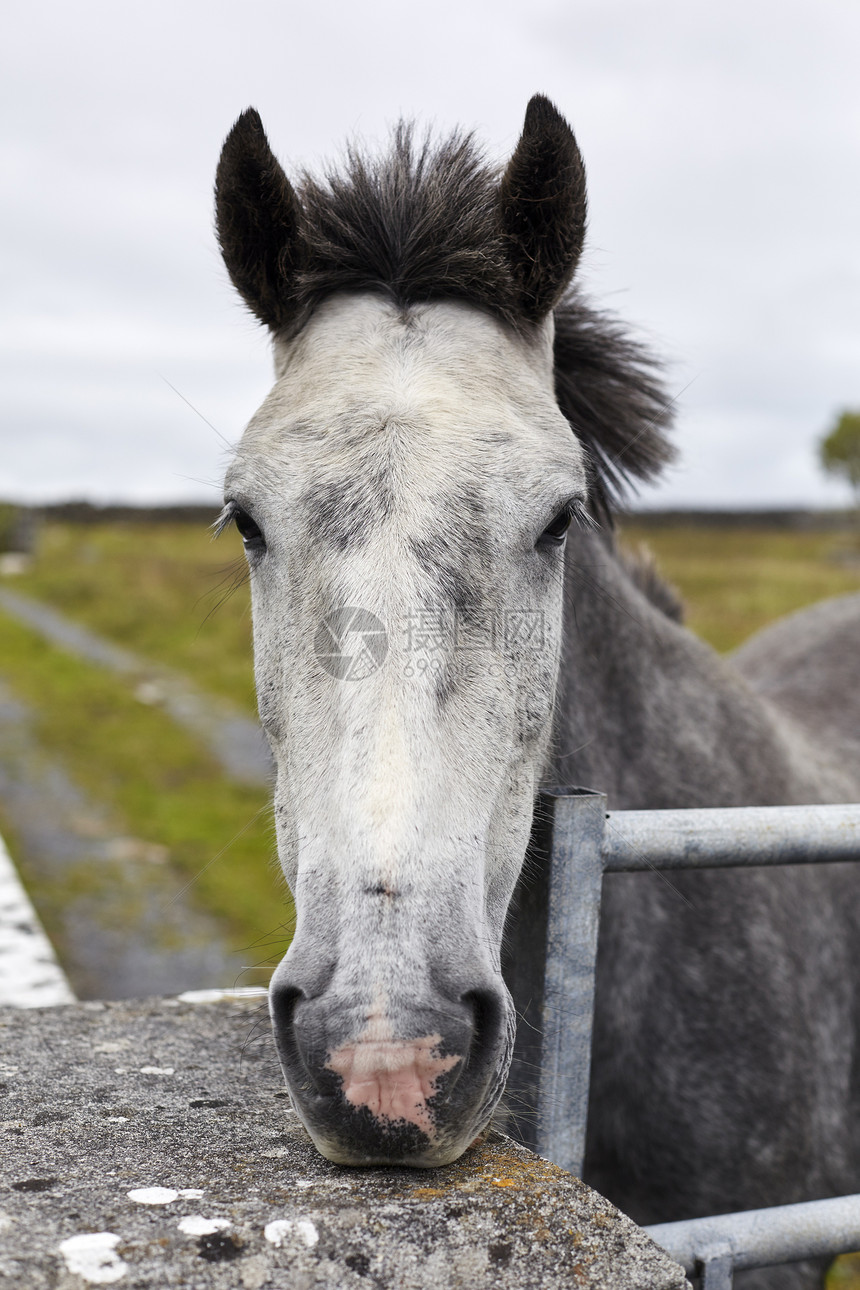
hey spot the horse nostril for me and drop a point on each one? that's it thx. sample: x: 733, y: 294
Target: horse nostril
x: 489, y: 1020
x: 283, y: 1001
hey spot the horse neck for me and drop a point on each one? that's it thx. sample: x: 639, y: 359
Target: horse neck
x: 652, y: 716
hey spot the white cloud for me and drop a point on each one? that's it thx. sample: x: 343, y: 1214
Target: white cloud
x: 722, y: 148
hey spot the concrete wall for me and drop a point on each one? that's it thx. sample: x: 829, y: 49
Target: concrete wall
x: 151, y: 1144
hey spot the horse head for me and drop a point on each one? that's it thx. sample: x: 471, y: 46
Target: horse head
x: 403, y: 495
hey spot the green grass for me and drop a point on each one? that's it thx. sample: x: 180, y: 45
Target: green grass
x: 155, y: 781
x: 736, y: 581
x: 163, y: 591
x: 844, y: 1274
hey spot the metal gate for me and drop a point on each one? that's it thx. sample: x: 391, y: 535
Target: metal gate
x: 578, y: 841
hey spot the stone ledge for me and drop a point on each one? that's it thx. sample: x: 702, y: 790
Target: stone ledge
x: 30, y: 976
x: 150, y: 1144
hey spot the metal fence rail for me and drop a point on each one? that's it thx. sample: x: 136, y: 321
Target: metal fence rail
x: 729, y: 837
x: 577, y: 841
x: 756, y: 1238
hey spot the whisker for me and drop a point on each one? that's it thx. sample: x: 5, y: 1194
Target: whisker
x: 652, y: 867
x: 193, y: 479
x: 235, y: 575
x: 219, y: 854
x: 226, y: 442
x: 579, y: 749
x: 262, y: 938
x: 607, y: 597
x: 649, y: 425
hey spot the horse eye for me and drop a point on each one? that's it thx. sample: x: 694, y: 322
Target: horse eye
x: 555, y: 531
x: 250, y: 532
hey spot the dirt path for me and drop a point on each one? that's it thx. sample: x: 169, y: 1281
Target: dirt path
x: 127, y: 929
x: 234, y: 739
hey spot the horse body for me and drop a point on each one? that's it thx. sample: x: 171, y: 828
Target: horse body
x: 724, y: 1067
x: 663, y: 721
x: 806, y: 665
x: 445, y: 408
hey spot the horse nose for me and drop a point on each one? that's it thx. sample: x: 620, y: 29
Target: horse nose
x: 393, y: 1082
x: 372, y: 1055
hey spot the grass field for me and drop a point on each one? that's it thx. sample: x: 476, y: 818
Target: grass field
x: 735, y: 581
x: 151, y: 589
x: 155, y: 782
x: 163, y: 591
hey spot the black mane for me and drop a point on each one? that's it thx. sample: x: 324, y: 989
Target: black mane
x: 419, y: 224
x: 610, y: 389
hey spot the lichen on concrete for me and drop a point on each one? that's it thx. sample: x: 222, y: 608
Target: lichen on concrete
x: 152, y: 1144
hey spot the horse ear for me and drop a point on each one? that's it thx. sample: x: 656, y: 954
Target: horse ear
x: 258, y: 220
x: 542, y: 200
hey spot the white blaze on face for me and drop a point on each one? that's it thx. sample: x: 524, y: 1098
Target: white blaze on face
x: 393, y: 1078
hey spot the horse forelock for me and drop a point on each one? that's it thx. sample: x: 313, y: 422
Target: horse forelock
x: 419, y: 223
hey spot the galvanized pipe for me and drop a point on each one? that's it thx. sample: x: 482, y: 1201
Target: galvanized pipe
x: 586, y: 841
x: 760, y: 1238
x: 567, y: 1013
x: 730, y: 836
x: 717, y: 1270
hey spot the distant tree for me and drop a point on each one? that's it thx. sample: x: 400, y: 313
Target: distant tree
x: 840, y: 451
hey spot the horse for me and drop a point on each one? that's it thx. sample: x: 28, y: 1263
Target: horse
x: 443, y: 621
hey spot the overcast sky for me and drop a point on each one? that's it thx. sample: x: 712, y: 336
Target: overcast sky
x: 722, y: 144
